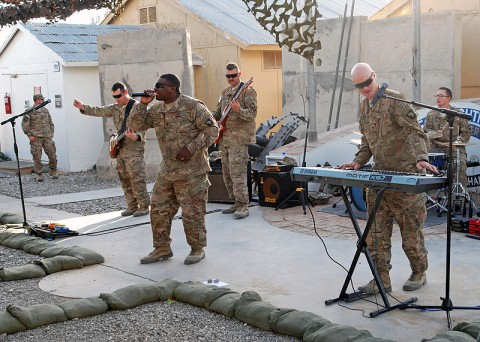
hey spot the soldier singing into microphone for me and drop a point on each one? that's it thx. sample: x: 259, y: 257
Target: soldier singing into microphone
x: 392, y: 135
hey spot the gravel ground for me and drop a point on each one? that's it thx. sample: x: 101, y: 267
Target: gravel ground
x: 159, y: 321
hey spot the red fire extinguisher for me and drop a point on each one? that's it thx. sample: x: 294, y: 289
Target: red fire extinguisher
x: 8, y: 104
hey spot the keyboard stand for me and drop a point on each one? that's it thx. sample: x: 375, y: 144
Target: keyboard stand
x: 362, y: 248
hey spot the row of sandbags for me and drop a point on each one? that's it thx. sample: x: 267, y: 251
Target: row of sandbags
x: 55, y: 258
x: 247, y: 307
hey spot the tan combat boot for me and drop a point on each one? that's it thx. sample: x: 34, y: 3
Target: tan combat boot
x: 53, y: 174
x: 128, y: 212
x: 159, y: 253
x: 415, y: 281
x: 231, y: 209
x: 141, y: 211
x: 371, y: 288
x: 195, y: 256
x: 39, y: 177
x: 241, y: 212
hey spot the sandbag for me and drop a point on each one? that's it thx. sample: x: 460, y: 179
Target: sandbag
x: 18, y: 240
x: 331, y: 332
x: 59, y: 263
x: 5, y: 234
x: 52, y: 251
x: 11, y: 218
x: 293, y: 322
x: 473, y: 329
x: 37, y: 246
x: 85, y: 307
x: 453, y: 336
x: 252, y: 310
x: 225, y: 304
x: 22, y: 272
x: 9, y: 324
x: 131, y: 296
x: 167, y: 286
x: 37, y: 315
x: 87, y: 256
x: 192, y: 292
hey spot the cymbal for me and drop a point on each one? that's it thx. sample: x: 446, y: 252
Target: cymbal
x: 434, y: 135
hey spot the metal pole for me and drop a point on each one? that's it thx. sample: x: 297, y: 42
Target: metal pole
x: 345, y: 64
x: 312, y: 93
x: 338, y: 66
x: 416, y: 71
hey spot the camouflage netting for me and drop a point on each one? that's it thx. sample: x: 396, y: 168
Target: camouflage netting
x: 292, y: 24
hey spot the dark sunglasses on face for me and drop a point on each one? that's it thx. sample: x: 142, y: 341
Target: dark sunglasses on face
x: 162, y: 85
x: 118, y: 96
x: 364, y: 83
x: 231, y: 75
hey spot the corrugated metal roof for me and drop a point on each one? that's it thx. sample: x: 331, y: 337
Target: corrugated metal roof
x: 73, y: 42
x: 233, y: 18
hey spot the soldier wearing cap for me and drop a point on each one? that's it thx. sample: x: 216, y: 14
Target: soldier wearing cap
x: 39, y: 128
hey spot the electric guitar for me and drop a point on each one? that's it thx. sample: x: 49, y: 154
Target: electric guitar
x: 116, y: 144
x: 223, y: 120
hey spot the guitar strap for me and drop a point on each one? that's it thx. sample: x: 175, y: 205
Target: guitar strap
x: 127, y: 113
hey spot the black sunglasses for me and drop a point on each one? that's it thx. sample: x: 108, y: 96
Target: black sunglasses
x: 364, y: 83
x: 162, y: 85
x: 231, y: 75
x: 118, y: 96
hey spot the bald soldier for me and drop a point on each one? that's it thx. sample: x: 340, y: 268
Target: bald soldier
x: 392, y: 135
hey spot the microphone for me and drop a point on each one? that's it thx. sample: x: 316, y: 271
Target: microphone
x: 43, y: 104
x: 380, y: 94
x: 139, y: 94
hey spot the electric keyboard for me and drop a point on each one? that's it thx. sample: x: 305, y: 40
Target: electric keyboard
x: 398, y: 181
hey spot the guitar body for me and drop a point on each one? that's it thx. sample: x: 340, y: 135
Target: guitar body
x: 116, y: 144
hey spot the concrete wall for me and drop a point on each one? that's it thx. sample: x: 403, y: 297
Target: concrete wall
x: 386, y: 45
x: 25, y: 64
x: 124, y: 57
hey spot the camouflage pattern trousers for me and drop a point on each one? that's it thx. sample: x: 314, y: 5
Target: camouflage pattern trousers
x: 410, y: 212
x: 234, y: 169
x: 189, y: 194
x: 131, y: 173
x: 48, y: 145
x: 462, y: 156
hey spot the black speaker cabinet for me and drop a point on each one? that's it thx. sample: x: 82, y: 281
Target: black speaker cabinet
x: 275, y: 187
x: 217, y: 192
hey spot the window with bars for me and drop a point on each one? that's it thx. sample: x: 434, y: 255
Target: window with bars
x: 148, y: 15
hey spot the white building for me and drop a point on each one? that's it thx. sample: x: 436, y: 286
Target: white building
x: 61, y: 62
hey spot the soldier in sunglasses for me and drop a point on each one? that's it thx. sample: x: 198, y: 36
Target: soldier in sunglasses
x: 392, y: 135
x: 130, y: 160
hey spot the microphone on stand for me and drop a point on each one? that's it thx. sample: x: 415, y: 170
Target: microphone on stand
x: 43, y: 104
x: 142, y: 94
x: 380, y: 94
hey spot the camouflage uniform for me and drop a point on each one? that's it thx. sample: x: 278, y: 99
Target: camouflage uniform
x: 239, y: 133
x: 392, y: 135
x: 130, y: 160
x: 40, y: 125
x: 436, y: 121
x: 179, y: 184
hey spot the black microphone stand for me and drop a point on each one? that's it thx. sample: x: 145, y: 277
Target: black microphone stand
x: 303, y: 189
x: 15, y: 148
x: 447, y: 304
